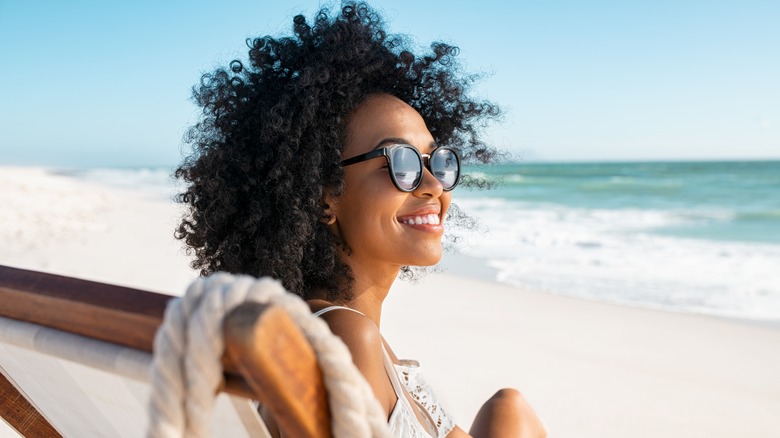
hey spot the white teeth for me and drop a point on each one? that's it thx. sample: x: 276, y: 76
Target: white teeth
x: 427, y: 219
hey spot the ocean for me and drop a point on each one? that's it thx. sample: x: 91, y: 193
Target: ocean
x: 701, y: 237
x: 698, y: 237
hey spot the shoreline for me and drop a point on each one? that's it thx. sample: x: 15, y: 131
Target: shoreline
x: 468, y: 266
x: 452, y: 262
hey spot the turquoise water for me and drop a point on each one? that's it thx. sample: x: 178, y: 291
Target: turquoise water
x: 700, y: 237
x: 738, y: 201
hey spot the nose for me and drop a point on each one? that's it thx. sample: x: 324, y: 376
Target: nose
x: 429, y: 187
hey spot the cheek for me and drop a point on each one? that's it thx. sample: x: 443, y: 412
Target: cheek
x: 446, y: 200
x: 368, y: 205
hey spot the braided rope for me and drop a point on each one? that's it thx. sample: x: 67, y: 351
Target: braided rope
x: 186, y: 369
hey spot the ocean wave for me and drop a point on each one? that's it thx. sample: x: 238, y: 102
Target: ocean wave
x: 763, y: 215
x: 621, y: 256
x: 621, y: 185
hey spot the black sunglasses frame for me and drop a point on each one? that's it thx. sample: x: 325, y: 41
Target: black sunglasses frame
x: 425, y: 159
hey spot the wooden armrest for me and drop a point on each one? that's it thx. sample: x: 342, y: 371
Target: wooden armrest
x: 120, y: 315
x: 280, y: 366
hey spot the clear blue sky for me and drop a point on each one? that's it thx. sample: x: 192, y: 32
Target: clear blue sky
x: 97, y: 83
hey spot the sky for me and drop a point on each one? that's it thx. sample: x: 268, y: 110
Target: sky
x: 96, y: 83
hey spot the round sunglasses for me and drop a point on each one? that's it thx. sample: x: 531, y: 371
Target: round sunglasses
x: 405, y: 164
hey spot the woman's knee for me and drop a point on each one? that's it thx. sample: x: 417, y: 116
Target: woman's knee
x: 509, y: 397
x: 509, y: 408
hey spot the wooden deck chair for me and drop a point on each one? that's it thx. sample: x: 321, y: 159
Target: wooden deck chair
x: 74, y: 356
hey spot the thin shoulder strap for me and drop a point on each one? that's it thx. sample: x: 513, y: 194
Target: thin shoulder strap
x: 392, y: 374
x: 328, y: 309
x: 398, y: 387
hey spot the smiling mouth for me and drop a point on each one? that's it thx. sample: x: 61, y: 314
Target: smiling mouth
x: 423, y: 219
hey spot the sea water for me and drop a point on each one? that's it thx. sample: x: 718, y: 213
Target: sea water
x: 699, y: 237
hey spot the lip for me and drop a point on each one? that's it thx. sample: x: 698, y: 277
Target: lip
x: 428, y: 209
x: 428, y: 228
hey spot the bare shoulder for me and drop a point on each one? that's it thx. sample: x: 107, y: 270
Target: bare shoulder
x: 364, y: 342
x: 359, y: 333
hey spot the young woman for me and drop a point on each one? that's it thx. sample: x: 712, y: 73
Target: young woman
x: 328, y: 162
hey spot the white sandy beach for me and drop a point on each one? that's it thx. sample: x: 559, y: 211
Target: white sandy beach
x: 589, y: 369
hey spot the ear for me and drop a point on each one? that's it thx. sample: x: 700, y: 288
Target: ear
x: 327, y: 202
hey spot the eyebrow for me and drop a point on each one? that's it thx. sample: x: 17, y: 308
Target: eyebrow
x: 399, y: 140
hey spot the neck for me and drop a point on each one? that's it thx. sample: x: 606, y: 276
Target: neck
x: 370, y: 288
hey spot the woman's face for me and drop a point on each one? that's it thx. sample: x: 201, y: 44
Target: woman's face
x: 371, y: 214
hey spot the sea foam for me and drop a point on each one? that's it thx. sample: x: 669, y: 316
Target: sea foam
x: 615, y: 255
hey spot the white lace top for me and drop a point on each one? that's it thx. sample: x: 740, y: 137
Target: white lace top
x: 407, y: 375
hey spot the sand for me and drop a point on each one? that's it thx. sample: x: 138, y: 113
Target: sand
x: 589, y: 369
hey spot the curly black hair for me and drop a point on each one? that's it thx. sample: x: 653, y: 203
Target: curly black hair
x: 269, y: 142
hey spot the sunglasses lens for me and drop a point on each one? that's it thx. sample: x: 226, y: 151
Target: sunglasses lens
x: 407, y: 167
x: 445, y: 167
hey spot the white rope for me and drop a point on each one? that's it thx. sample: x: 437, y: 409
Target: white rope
x: 186, y: 369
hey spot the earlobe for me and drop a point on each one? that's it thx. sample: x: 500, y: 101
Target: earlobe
x: 328, y: 216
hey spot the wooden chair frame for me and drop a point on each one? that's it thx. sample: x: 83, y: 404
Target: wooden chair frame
x: 267, y: 358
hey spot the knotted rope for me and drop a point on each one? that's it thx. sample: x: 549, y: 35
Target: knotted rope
x: 186, y: 369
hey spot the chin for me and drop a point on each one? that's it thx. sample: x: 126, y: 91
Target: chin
x: 426, y: 261
x: 421, y: 254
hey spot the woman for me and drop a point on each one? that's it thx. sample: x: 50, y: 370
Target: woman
x: 328, y: 162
